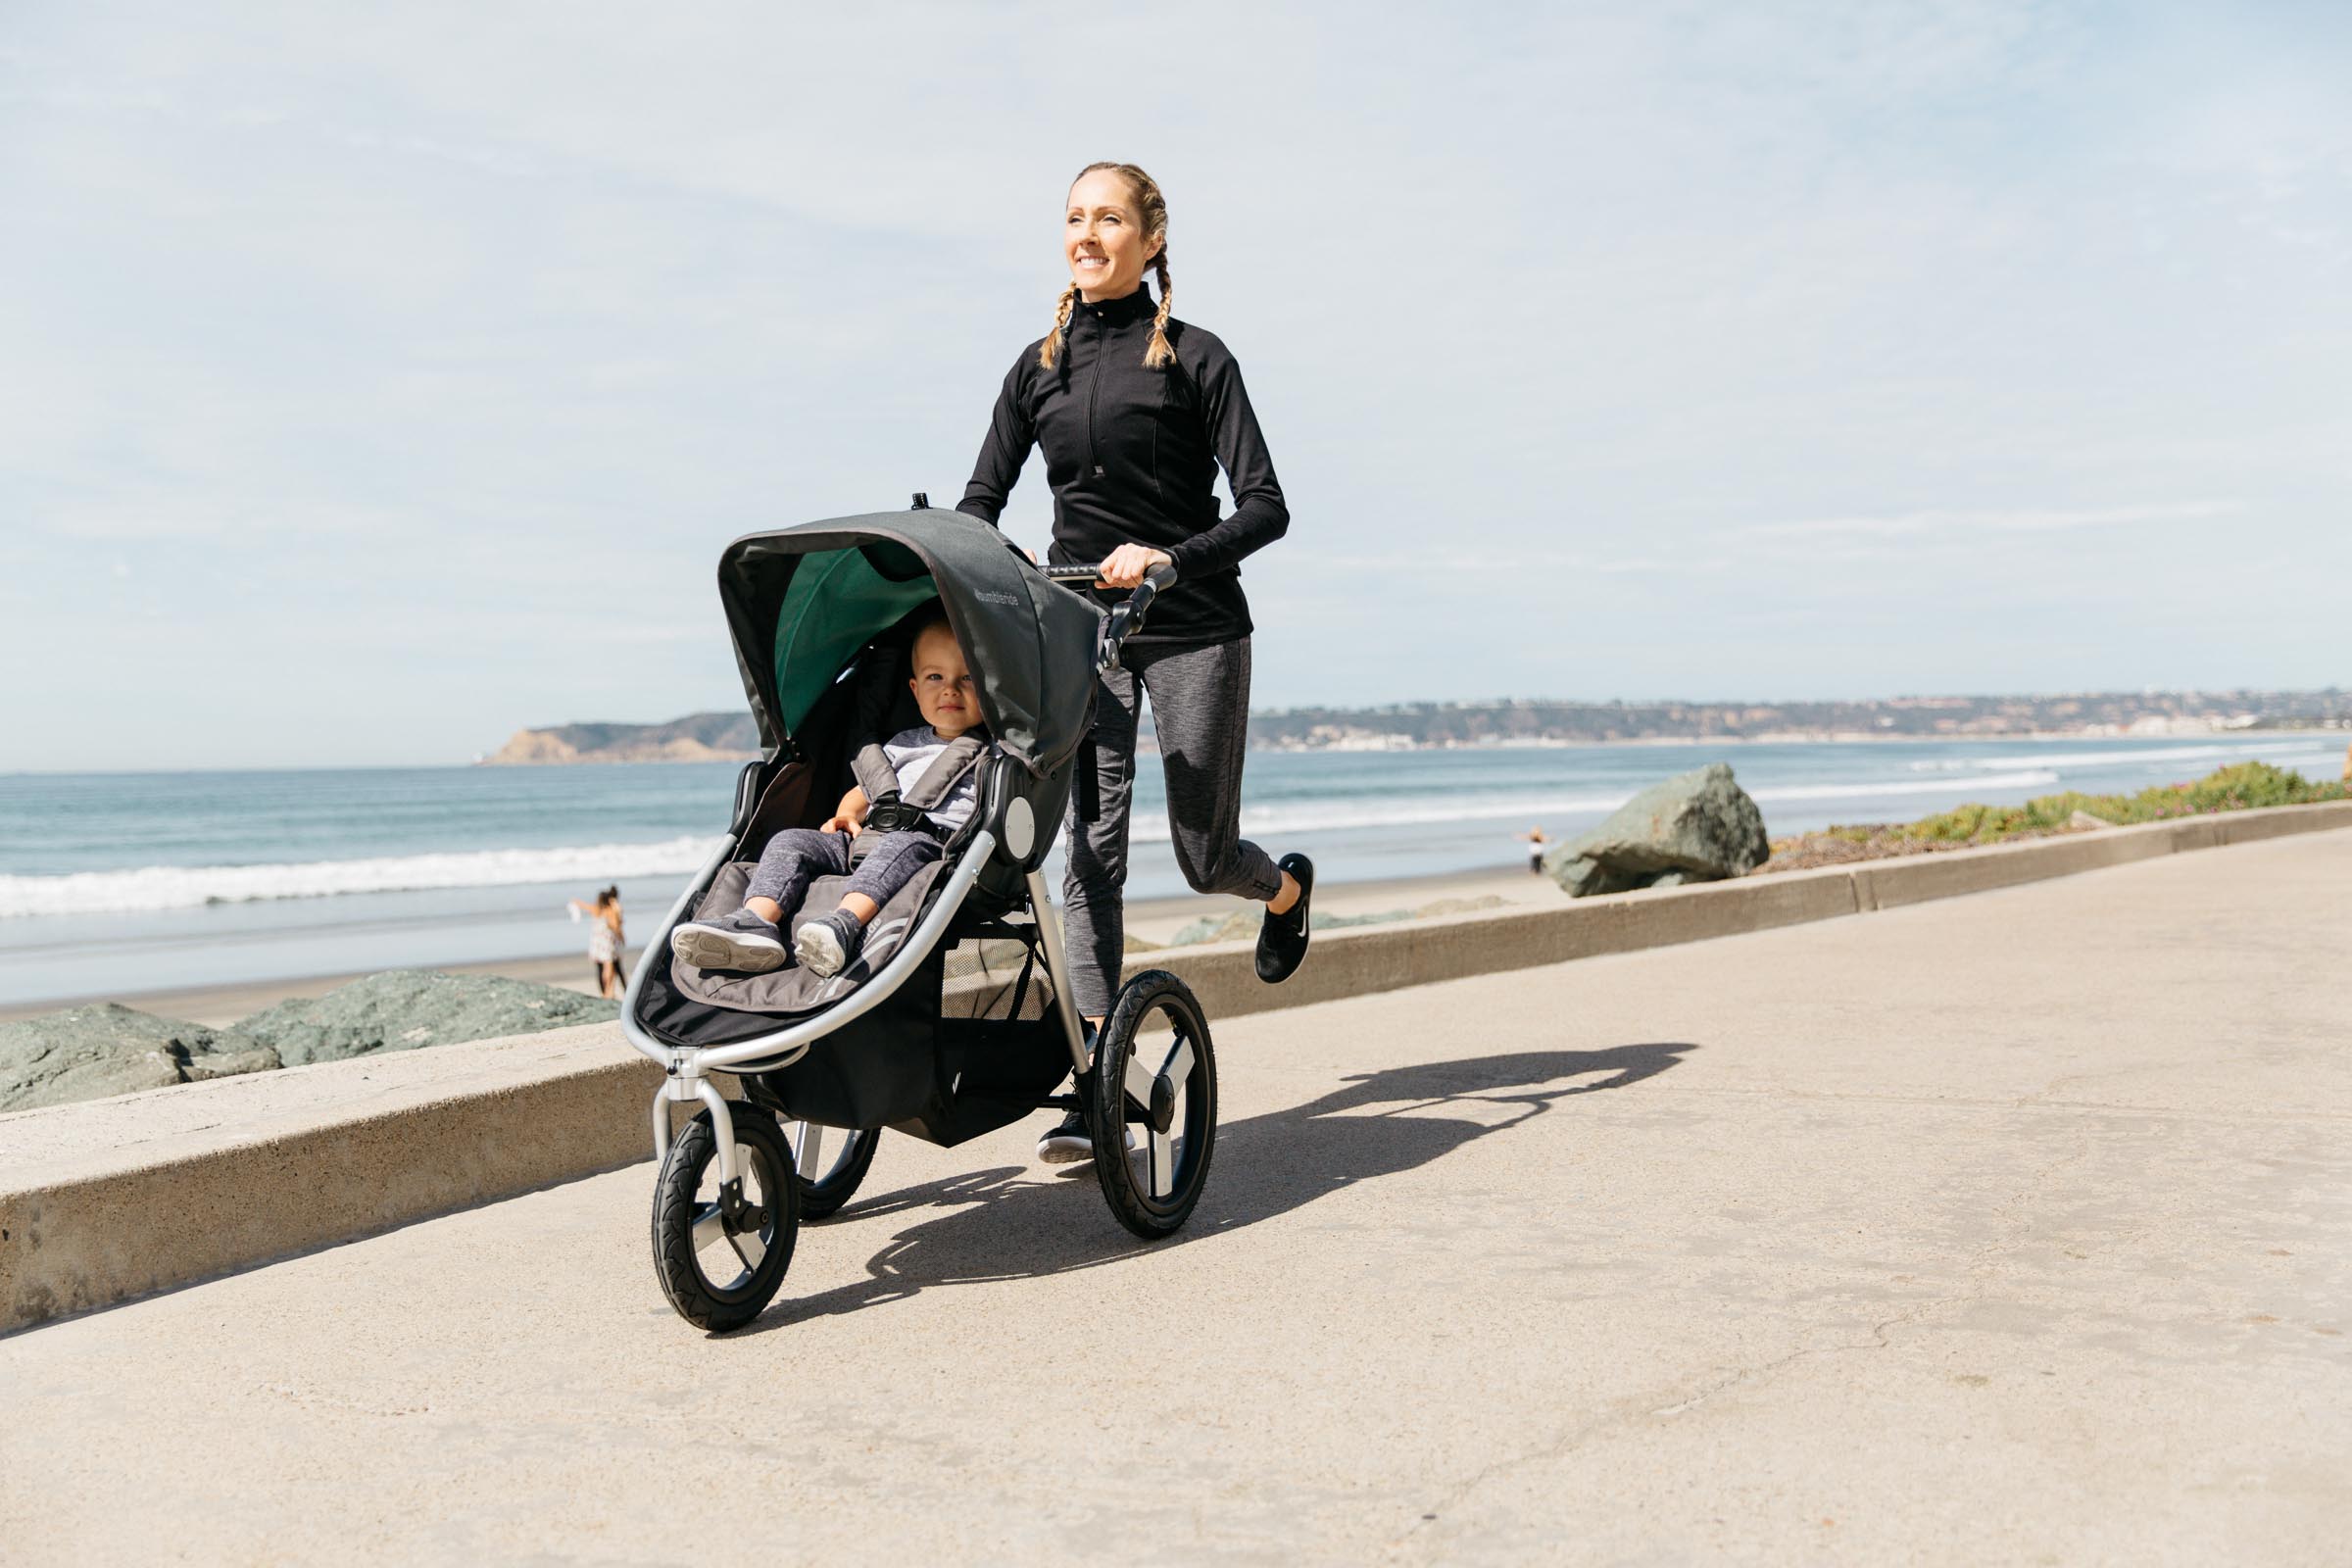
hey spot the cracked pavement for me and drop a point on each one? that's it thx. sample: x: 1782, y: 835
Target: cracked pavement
x: 2013, y: 1227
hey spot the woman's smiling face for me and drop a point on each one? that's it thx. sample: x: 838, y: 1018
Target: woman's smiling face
x: 1102, y: 235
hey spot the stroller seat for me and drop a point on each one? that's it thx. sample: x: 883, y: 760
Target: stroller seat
x: 793, y: 989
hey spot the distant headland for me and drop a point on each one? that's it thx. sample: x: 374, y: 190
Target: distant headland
x: 1415, y: 726
x: 696, y: 738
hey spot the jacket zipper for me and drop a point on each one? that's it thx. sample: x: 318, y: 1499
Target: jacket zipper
x: 1094, y: 384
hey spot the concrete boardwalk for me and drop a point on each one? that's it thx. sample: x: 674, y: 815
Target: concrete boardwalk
x: 2016, y: 1227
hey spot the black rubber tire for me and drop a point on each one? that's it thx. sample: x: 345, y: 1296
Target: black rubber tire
x: 823, y: 1199
x: 702, y: 1301
x: 1108, y: 1110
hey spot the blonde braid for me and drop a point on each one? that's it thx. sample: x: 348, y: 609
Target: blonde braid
x: 1050, y: 349
x: 1160, y: 352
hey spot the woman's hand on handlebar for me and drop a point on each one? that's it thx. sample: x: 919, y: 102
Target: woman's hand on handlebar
x: 1127, y: 565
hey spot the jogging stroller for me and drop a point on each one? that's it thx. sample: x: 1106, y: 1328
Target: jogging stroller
x: 821, y: 616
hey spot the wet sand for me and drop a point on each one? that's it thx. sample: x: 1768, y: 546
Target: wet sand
x: 1153, y: 920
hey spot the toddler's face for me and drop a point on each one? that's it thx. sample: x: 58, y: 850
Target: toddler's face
x: 943, y: 685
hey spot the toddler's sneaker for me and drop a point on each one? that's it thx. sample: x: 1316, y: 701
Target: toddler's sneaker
x: 826, y: 946
x: 741, y: 942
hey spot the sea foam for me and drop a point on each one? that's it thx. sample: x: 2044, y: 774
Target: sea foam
x: 187, y: 887
x: 2295, y: 754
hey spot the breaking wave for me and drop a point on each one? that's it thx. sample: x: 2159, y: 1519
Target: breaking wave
x: 2025, y: 779
x: 188, y: 887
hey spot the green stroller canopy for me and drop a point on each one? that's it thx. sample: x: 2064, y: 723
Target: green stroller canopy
x: 802, y: 602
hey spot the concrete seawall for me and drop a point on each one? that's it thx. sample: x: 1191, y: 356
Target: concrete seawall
x: 109, y: 1200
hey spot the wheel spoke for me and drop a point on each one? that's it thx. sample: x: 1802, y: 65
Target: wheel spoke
x: 1163, y: 1165
x: 748, y: 1246
x: 1137, y: 1081
x: 1178, y: 1068
x: 709, y: 1228
x: 810, y: 1150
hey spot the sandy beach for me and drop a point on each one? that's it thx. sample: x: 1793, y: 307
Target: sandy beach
x: 1153, y: 920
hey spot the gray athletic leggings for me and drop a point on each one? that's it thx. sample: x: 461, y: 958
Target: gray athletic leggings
x: 1201, y: 707
x: 798, y: 855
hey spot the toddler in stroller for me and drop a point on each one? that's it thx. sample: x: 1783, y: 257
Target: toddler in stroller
x: 913, y: 791
x: 824, y: 621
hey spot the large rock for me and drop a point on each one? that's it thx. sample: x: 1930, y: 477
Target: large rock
x: 401, y: 1009
x: 90, y: 1052
x: 1698, y: 826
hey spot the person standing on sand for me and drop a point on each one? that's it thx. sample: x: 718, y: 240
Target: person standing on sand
x: 1135, y: 411
x: 606, y: 944
x: 1536, y: 838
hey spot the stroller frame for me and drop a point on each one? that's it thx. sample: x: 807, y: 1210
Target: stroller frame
x: 1135, y: 1098
x: 687, y: 1069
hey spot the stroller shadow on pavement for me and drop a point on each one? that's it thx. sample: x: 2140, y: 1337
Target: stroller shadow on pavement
x: 1010, y: 1224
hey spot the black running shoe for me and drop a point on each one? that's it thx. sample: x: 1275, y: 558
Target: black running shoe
x: 1282, y: 940
x: 1066, y: 1144
x: 740, y: 943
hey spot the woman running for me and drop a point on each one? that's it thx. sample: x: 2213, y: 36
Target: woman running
x: 1134, y: 410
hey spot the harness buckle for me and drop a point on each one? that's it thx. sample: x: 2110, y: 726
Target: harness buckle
x: 889, y: 814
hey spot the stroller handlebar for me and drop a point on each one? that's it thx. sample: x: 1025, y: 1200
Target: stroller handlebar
x: 1125, y: 617
x: 1086, y: 573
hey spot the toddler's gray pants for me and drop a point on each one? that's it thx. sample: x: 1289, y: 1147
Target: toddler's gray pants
x: 798, y: 855
x: 1201, y: 708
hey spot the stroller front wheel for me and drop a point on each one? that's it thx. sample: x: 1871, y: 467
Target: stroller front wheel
x: 1151, y: 1103
x: 721, y: 1257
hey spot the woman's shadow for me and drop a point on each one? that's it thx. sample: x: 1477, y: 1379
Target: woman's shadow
x: 1007, y: 1225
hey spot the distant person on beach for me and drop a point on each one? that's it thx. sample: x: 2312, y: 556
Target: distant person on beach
x: 751, y: 941
x: 605, y: 941
x: 1536, y: 838
x: 1135, y: 411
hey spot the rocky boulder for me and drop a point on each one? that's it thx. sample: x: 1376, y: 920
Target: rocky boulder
x: 401, y: 1009
x: 1698, y: 826
x: 91, y: 1052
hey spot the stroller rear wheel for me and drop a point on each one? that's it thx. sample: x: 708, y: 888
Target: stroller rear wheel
x: 1151, y: 1103
x: 721, y: 1256
x: 832, y: 1164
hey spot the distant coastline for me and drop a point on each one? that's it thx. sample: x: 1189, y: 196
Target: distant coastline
x: 1450, y: 726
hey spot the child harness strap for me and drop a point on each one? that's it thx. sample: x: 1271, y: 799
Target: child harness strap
x: 889, y: 812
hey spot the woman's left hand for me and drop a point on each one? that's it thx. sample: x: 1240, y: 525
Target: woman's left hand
x: 1127, y: 565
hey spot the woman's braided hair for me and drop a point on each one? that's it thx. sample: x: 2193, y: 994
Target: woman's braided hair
x: 1152, y: 209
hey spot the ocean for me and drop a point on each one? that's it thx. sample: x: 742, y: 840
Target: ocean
x: 115, y: 884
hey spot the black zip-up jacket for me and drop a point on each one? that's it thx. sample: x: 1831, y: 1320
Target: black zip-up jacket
x: 1131, y: 453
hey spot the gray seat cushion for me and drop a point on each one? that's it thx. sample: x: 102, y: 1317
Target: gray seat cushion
x: 793, y: 989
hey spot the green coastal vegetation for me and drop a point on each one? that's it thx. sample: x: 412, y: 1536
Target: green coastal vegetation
x: 2241, y: 786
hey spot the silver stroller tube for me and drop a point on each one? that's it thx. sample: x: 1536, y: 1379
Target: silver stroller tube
x: 635, y: 1035
x: 1057, y: 968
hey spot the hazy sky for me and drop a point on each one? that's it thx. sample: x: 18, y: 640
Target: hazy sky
x: 377, y: 381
